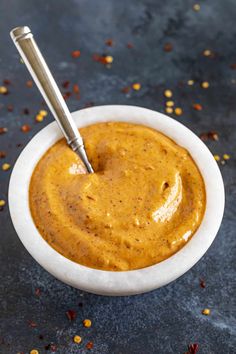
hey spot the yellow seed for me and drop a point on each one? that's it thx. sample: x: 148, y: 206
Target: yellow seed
x: 206, y: 312
x: 3, y: 90
x: 205, y: 84
x: 34, y: 351
x: 136, y: 86
x: 2, y: 202
x: 6, y: 166
x: 77, y: 339
x: 43, y: 113
x: 190, y: 82
x: 22, y: 61
x: 207, y: 52
x: 226, y: 157
x: 87, y: 323
x: 170, y: 103
x: 169, y: 110
x: 109, y: 59
x: 39, y: 118
x: 217, y: 157
x: 196, y: 7
x: 178, y: 111
x: 168, y: 93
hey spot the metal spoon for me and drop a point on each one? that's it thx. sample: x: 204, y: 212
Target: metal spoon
x: 33, y: 59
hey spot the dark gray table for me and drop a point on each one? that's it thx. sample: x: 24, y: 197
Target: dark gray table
x: 166, y: 320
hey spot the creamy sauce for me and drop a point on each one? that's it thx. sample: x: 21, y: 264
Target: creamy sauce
x: 143, y: 203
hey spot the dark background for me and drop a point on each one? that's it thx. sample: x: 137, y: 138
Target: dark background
x: 169, y: 319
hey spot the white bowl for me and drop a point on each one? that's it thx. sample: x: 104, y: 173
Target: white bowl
x: 107, y: 282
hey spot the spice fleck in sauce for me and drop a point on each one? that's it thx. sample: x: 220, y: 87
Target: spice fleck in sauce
x: 143, y: 203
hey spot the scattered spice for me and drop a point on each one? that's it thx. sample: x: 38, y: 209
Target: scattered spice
x: 6, y: 166
x: 168, y: 93
x: 76, y: 89
x: 136, y: 86
x: 51, y: 347
x: 71, y: 315
x: 125, y: 89
x: 3, y: 130
x: 43, y: 112
x: 37, y: 292
x: 205, y: 84
x: 66, y: 95
x: 196, y: 7
x: 206, y: 312
x: 75, y: 54
x: 7, y: 82
x: 226, y: 157
x: 65, y: 84
x: 193, y: 348
x: 87, y: 323
x: 104, y: 59
x: 190, y: 82
x: 41, y: 337
x: 130, y: 45
x: 26, y: 111
x: 2, y: 154
x: 34, y: 351
x: 109, y: 42
x: 217, y: 157
x: 80, y: 304
x: 169, y: 110
x: 10, y: 108
x: 212, y: 135
x: 29, y: 83
x: 25, y: 128
x: 202, y: 283
x: 109, y: 59
x: 168, y: 47
x: 32, y: 324
x: 77, y: 339
x: 2, y: 203
x: 178, y: 111
x: 89, y: 345
x: 197, y: 106
x: 3, y: 90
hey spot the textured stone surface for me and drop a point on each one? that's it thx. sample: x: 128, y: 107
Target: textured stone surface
x: 166, y: 320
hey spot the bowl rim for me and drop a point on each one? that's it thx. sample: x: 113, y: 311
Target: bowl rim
x: 122, y: 282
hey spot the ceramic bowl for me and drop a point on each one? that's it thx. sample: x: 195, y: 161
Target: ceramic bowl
x: 108, y: 282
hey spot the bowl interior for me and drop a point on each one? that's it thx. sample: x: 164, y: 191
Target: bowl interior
x: 106, y: 282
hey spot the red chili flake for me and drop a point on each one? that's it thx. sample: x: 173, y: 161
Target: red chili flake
x: 37, y: 292
x: 3, y: 130
x: 29, y: 83
x: 233, y: 66
x: 71, y: 315
x: 2, y: 154
x: 10, y: 108
x: 76, y: 88
x: 99, y: 58
x: 130, y: 45
x: 66, y: 84
x: 32, y: 324
x: 7, y: 82
x: 26, y: 111
x: 212, y: 135
x: 89, y: 345
x: 193, y: 348
x: 109, y: 42
x: 202, y: 283
x: 125, y: 89
x: 25, y: 128
x: 51, y: 347
x: 75, y: 54
x: 168, y: 47
x: 197, y: 106
x: 89, y: 104
x: 66, y: 95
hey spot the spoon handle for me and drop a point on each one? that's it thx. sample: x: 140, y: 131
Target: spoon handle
x: 34, y: 61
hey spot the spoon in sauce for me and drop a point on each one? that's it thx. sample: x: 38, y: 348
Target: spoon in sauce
x: 35, y: 63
